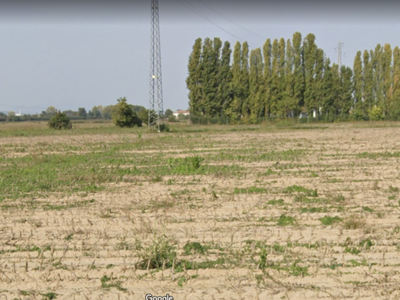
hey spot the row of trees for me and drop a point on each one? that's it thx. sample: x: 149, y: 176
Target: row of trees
x: 97, y: 112
x: 123, y: 115
x: 286, y: 78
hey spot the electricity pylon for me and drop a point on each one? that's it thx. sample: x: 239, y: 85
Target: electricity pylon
x: 156, y: 94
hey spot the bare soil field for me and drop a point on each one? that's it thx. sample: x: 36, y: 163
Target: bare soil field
x: 219, y: 212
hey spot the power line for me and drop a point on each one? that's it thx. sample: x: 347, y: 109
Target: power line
x: 21, y: 106
x: 196, y: 11
x: 259, y: 36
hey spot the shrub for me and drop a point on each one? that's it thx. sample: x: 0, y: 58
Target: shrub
x: 164, y: 128
x: 358, y: 115
x: 124, y: 115
x: 375, y: 114
x: 60, y: 121
x: 172, y: 118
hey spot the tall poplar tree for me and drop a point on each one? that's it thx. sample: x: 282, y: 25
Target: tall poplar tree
x: 358, y: 83
x: 244, y: 79
x: 267, y: 77
x: 368, y: 88
x: 377, y: 67
x: 387, y: 79
x: 310, y: 58
x: 288, y: 104
x: 256, y: 84
x: 298, y: 71
x: 319, y: 80
x: 328, y: 90
x: 275, y: 80
x: 346, y: 90
x: 225, y: 93
x: 396, y: 83
x: 194, y: 79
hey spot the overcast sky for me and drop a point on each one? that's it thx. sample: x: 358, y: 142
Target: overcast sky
x: 72, y: 54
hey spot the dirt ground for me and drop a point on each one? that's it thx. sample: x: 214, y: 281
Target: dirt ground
x: 271, y: 241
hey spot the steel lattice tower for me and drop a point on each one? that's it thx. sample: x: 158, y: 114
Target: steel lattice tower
x: 156, y: 94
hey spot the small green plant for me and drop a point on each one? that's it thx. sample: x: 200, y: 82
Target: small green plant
x: 69, y: 237
x: 263, y: 258
x: 286, y: 220
x: 60, y: 121
x: 160, y: 253
x: 181, y: 280
x: 49, y: 296
x: 194, y: 247
x: 109, y: 282
x: 368, y: 209
x: 366, y: 244
x: 276, y: 202
x: 299, y: 189
x: 338, y: 198
x: 330, y: 220
x: 297, y: 270
x: 195, y: 161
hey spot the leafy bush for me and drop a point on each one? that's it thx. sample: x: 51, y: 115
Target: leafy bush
x: 172, y: 118
x: 358, y: 115
x: 375, y: 114
x: 124, y: 115
x: 164, y: 128
x: 60, y: 121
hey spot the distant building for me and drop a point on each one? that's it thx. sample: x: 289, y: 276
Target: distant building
x: 179, y: 111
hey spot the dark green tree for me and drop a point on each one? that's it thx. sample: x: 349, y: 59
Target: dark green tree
x: 60, y: 121
x: 124, y: 115
x: 82, y: 113
x: 168, y: 112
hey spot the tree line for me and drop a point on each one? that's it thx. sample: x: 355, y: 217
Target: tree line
x: 288, y: 78
x: 97, y: 112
